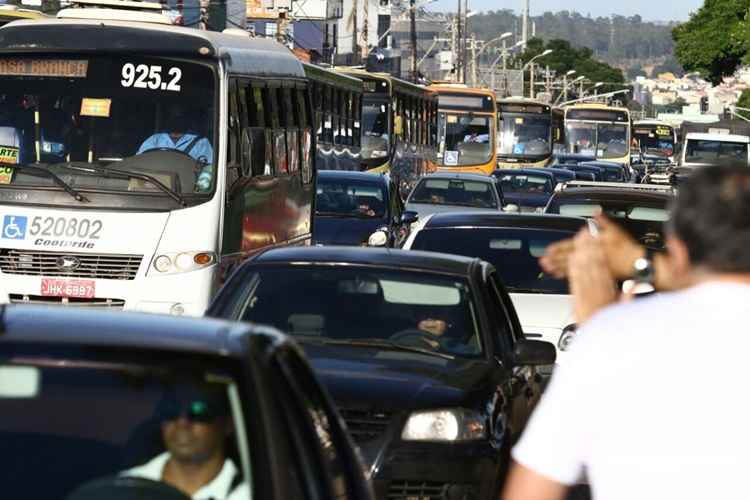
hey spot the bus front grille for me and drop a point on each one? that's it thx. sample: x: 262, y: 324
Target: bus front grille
x: 65, y: 301
x: 69, y: 265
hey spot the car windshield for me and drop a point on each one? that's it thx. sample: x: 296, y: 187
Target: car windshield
x: 375, y: 137
x: 350, y: 198
x: 524, y: 135
x: 79, y: 116
x: 465, y: 139
x: 525, y: 184
x: 66, y: 424
x: 457, y: 192
x: 431, y: 312
x: 514, y: 253
x: 645, y: 222
x: 601, y: 140
x: 703, y: 151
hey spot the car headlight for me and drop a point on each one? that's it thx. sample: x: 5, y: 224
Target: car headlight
x: 567, y: 338
x: 444, y: 425
x: 182, y: 262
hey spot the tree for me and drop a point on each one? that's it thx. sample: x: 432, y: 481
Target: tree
x: 744, y: 102
x: 714, y: 41
x: 671, y: 65
x: 635, y: 71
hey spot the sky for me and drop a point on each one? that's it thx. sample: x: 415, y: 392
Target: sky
x: 649, y: 10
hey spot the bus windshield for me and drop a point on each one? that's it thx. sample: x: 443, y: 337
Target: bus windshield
x: 375, y: 138
x: 602, y: 140
x: 524, y: 135
x: 465, y: 139
x: 138, y: 128
x: 655, y: 140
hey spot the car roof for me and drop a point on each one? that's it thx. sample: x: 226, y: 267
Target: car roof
x: 350, y: 175
x: 601, y: 193
x: 460, y: 175
x: 39, y: 324
x: 374, y: 257
x: 490, y: 219
x: 524, y: 171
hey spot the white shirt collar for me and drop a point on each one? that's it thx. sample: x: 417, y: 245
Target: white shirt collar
x: 217, y: 489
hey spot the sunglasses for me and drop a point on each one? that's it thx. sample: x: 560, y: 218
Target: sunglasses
x: 194, y: 411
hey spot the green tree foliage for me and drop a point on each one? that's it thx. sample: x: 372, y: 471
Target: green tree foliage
x: 744, y: 102
x: 671, y: 65
x: 634, y: 71
x: 565, y: 57
x: 714, y: 41
x: 613, y: 39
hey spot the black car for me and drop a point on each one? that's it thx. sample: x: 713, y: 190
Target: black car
x: 594, y: 173
x: 85, y: 399
x: 611, y: 171
x: 641, y: 212
x: 422, y: 352
x: 352, y: 206
x: 529, y: 189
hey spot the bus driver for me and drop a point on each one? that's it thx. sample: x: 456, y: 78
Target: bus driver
x: 177, y: 123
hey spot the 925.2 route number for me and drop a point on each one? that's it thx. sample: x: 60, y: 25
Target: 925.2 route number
x: 144, y: 76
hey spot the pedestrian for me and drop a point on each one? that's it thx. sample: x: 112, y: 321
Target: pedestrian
x: 650, y: 403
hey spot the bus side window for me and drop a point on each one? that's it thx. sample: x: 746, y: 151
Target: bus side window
x: 234, y: 127
x: 292, y: 130
x: 306, y: 135
x: 357, y: 110
x: 255, y: 147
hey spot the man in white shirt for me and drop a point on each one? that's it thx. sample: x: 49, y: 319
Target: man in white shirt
x: 651, y: 402
x: 195, y: 427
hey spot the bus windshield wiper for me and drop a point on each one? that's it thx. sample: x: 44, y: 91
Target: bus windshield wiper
x: 116, y: 172
x: 55, y: 178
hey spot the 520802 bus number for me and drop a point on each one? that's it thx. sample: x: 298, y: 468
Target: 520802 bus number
x: 72, y: 228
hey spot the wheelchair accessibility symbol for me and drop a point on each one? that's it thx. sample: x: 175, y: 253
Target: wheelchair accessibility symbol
x: 14, y: 227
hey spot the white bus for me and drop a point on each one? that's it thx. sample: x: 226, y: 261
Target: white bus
x: 139, y: 163
x: 715, y: 149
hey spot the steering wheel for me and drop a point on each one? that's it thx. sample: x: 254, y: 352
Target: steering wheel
x: 126, y: 488
x: 421, y: 336
x: 172, y: 150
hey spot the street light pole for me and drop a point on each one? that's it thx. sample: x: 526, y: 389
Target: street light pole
x: 413, y: 26
x: 530, y: 64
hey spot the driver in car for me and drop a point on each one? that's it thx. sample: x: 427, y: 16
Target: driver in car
x: 436, y: 329
x: 195, y: 427
x: 177, y: 123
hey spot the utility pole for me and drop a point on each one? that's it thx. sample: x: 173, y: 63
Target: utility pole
x: 413, y: 21
x: 565, y: 87
x: 531, y: 81
x: 473, y: 60
x: 463, y: 41
x: 365, y: 41
x: 525, y: 27
x: 458, y: 50
x: 548, y: 78
x: 355, y: 32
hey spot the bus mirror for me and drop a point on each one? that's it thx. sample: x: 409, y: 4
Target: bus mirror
x: 398, y: 126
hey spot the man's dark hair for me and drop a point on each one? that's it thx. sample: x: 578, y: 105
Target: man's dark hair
x: 712, y: 216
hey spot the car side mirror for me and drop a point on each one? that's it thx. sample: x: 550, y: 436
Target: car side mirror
x: 378, y: 239
x: 409, y: 217
x: 511, y: 207
x: 534, y: 353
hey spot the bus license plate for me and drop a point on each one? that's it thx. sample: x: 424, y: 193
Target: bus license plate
x: 79, y: 289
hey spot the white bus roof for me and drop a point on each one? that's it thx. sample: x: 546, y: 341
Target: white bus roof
x: 717, y: 137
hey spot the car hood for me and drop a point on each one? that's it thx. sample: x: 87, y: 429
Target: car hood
x: 344, y: 230
x: 425, y: 209
x: 397, y: 380
x: 543, y: 311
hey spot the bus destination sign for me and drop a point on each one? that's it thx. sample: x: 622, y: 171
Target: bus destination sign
x: 58, y: 68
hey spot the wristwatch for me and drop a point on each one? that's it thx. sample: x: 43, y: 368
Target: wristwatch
x: 643, y: 268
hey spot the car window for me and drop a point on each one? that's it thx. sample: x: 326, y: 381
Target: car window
x: 426, y: 310
x: 526, y: 184
x: 454, y: 192
x: 514, y: 252
x: 350, y: 198
x: 66, y: 424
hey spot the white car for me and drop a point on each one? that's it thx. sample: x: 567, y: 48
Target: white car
x: 451, y: 192
x: 512, y: 243
x: 713, y: 149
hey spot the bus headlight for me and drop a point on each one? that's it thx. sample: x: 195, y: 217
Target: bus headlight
x: 455, y: 424
x: 182, y: 262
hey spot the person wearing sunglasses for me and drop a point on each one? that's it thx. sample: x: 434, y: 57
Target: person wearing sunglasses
x: 195, y: 427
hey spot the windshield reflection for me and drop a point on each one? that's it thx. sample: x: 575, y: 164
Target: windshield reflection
x: 375, y: 137
x: 602, y: 140
x: 465, y: 139
x: 524, y: 135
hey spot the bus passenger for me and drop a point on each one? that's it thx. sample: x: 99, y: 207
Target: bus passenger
x: 178, y: 124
